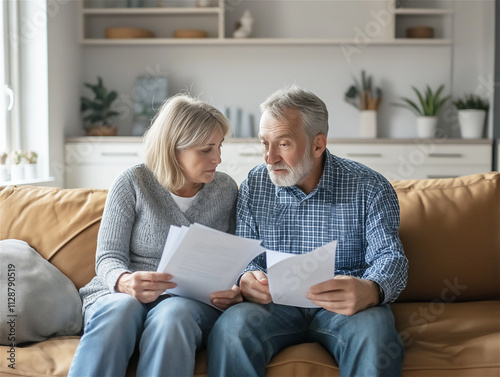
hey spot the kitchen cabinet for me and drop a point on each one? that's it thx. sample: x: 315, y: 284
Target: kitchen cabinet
x: 96, y: 163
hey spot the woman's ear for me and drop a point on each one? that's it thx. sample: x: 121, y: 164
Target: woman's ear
x: 318, y: 145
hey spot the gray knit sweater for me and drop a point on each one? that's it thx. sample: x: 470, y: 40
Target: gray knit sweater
x: 136, y: 219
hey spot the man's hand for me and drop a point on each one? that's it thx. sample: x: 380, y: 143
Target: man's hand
x: 225, y: 299
x: 346, y: 295
x: 145, y: 286
x: 255, y: 287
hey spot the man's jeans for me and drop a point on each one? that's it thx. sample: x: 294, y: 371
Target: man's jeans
x: 167, y: 335
x: 247, y: 335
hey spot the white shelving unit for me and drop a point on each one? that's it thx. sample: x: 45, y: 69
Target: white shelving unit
x: 161, y: 21
x: 164, y: 21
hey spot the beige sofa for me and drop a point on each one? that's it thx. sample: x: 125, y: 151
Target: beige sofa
x: 448, y: 316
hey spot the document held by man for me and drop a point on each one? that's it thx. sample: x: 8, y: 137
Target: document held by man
x: 203, y: 260
x: 290, y: 275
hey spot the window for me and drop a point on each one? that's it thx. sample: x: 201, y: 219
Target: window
x: 9, y: 121
x: 24, y: 87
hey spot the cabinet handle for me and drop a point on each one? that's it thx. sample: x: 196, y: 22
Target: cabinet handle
x: 250, y: 154
x: 446, y: 155
x: 119, y: 154
x: 364, y: 154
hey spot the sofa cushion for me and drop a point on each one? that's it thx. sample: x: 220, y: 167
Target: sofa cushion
x: 449, y: 340
x: 49, y: 358
x: 61, y: 224
x: 41, y: 301
x: 450, y: 229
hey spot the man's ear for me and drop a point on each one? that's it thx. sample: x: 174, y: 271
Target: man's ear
x: 318, y: 145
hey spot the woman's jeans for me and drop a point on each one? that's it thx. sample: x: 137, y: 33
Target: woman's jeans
x: 167, y: 336
x: 247, y: 335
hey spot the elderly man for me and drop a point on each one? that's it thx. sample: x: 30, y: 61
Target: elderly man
x: 302, y: 198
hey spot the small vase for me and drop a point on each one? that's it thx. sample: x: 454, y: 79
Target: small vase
x: 17, y: 172
x: 30, y: 171
x: 368, y: 120
x: 4, y: 173
x: 471, y: 123
x: 134, y: 3
x: 426, y: 127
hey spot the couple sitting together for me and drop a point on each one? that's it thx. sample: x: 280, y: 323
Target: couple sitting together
x: 301, y: 198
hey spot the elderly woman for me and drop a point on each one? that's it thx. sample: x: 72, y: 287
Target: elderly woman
x: 125, y: 305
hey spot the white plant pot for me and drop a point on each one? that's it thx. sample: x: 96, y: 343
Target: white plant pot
x: 4, y: 173
x: 426, y: 127
x: 17, y: 172
x: 30, y: 171
x: 471, y: 123
x: 368, y: 123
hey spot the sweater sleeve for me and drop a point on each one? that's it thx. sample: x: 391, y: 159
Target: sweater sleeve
x: 113, y: 242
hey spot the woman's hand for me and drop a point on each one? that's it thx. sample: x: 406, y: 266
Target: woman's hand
x: 145, y: 286
x: 225, y: 299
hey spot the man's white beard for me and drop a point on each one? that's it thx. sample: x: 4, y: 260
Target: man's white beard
x: 294, y: 175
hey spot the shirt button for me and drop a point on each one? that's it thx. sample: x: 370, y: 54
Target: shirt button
x: 304, y: 203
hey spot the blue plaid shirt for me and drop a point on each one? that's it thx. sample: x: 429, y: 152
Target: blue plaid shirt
x: 351, y: 204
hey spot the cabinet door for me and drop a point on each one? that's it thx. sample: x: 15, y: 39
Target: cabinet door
x: 93, y: 176
x: 96, y: 165
x: 379, y: 157
x: 239, y: 158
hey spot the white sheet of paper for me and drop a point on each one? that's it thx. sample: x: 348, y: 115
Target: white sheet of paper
x: 203, y: 260
x: 291, y: 275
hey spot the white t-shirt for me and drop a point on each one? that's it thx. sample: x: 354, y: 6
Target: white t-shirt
x: 182, y: 202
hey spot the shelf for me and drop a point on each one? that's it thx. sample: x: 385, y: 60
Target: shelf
x: 263, y: 42
x: 148, y: 11
x: 163, y: 21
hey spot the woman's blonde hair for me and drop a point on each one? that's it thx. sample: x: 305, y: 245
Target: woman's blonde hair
x: 182, y: 122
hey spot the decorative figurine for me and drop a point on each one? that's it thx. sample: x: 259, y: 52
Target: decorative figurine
x: 244, y: 26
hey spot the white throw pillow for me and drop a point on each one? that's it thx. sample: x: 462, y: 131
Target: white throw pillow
x: 38, y: 301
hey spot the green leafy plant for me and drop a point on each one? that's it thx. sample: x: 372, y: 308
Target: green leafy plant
x: 430, y: 102
x: 363, y: 96
x: 471, y: 102
x: 97, y: 111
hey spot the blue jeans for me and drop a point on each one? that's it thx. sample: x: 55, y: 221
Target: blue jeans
x: 167, y: 336
x: 248, y: 335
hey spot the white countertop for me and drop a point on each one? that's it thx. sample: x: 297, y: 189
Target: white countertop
x: 138, y: 139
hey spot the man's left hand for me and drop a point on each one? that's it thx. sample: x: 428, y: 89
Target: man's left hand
x: 346, y: 295
x: 225, y: 299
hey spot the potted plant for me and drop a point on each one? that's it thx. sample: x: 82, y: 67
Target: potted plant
x: 471, y: 115
x: 430, y: 104
x: 365, y: 98
x: 31, y: 158
x: 97, y: 111
x: 17, y: 167
x: 4, y: 172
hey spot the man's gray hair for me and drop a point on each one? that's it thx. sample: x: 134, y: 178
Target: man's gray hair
x: 313, y: 110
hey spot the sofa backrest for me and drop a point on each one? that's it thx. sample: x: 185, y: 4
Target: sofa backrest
x: 59, y: 224
x: 450, y: 229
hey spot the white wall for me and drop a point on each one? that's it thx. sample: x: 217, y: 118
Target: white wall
x: 244, y: 75
x: 65, y: 80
